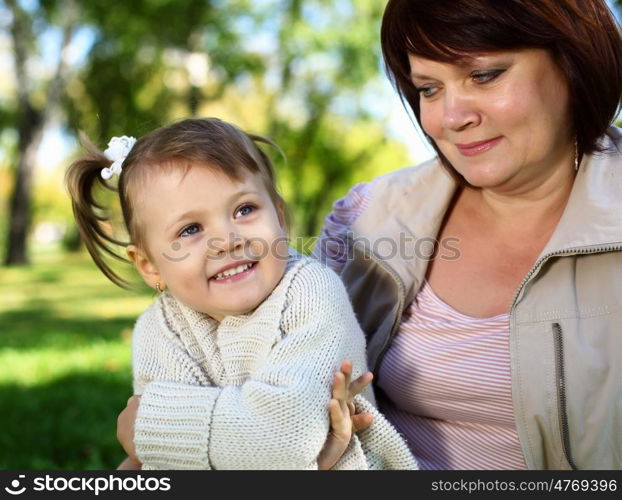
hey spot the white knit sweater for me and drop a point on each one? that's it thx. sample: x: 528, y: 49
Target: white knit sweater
x: 252, y: 392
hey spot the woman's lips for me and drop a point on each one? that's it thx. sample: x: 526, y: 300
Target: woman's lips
x: 477, y: 148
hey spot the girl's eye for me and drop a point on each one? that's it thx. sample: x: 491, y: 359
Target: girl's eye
x: 486, y: 76
x: 244, y: 210
x: 189, y: 230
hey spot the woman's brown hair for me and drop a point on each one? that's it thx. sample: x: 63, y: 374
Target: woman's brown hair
x: 581, y: 36
x: 207, y: 142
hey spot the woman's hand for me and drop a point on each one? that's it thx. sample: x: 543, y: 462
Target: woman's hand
x: 343, y: 419
x: 128, y: 464
x: 125, y: 431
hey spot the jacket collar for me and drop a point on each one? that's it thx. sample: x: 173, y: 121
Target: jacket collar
x: 417, y: 199
x: 593, y: 215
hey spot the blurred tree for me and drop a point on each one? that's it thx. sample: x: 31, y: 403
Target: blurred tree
x: 126, y: 81
x: 31, y: 111
x: 152, y: 59
x: 314, y: 66
x: 308, y: 70
x: 329, y: 61
x: 321, y: 84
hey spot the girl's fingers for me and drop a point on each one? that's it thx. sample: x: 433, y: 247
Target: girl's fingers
x: 337, y: 417
x: 346, y: 369
x: 340, y: 389
x: 357, y: 386
x: 361, y: 421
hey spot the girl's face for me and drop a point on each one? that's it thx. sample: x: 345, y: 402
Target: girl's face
x: 217, y: 244
x: 502, y: 119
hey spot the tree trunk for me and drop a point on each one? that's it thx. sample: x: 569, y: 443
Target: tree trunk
x: 32, y: 123
x: 30, y: 135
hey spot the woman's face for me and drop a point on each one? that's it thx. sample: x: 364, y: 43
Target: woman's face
x: 217, y: 244
x: 502, y: 119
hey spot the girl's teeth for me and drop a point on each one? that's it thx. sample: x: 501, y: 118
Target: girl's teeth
x: 233, y: 271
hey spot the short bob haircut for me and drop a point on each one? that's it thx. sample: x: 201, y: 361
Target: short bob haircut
x: 581, y: 36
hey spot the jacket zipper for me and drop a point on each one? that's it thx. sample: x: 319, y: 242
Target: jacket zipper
x: 561, y: 392
x: 534, y: 270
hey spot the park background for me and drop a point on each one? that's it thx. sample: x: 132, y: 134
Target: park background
x: 306, y: 73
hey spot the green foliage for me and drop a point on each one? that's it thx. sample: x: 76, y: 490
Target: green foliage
x: 302, y: 73
x: 64, y: 364
x: 128, y: 82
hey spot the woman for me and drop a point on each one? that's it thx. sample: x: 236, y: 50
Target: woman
x: 500, y: 350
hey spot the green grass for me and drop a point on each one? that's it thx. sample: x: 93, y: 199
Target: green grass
x: 65, y: 375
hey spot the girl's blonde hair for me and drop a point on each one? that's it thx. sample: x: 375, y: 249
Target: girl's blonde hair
x: 208, y: 142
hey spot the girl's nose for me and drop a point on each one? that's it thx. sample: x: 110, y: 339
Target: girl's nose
x: 460, y: 112
x: 224, y: 242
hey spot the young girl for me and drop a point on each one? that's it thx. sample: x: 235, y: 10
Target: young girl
x: 234, y: 360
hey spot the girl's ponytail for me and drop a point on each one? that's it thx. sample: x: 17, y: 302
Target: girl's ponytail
x: 82, y: 178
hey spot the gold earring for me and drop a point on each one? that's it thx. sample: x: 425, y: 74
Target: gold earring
x: 576, y: 156
x: 158, y: 287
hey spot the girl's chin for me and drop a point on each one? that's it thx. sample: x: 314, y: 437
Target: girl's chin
x: 238, y: 309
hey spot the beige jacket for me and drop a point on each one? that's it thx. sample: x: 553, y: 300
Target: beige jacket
x: 565, y: 319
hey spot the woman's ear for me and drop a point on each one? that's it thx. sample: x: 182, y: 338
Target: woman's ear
x: 144, y: 266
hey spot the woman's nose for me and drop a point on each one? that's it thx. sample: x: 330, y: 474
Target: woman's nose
x: 459, y: 111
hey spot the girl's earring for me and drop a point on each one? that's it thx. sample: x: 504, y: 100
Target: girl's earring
x: 576, y: 156
x: 158, y: 287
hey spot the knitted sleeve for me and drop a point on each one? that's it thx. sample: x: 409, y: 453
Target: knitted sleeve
x: 277, y: 418
x: 331, y: 248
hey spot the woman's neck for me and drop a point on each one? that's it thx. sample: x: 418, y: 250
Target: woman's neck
x: 528, y: 207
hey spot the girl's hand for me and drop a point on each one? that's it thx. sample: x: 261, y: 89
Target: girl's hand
x: 125, y: 430
x: 343, y: 420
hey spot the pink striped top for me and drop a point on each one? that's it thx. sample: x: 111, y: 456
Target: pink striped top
x: 446, y: 376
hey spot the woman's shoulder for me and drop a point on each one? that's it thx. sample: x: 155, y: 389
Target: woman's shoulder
x: 612, y: 139
x: 347, y: 208
x: 384, y: 195
x: 416, y: 181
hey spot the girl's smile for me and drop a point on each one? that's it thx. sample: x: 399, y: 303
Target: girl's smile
x: 230, y: 232
x: 234, y: 273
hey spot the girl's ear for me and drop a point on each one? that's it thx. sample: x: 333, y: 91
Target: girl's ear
x: 145, y: 267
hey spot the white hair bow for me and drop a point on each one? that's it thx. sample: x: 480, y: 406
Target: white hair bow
x: 117, y: 151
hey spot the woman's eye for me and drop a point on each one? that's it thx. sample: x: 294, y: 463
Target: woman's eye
x: 244, y: 210
x: 486, y: 76
x: 426, y: 91
x: 189, y: 230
